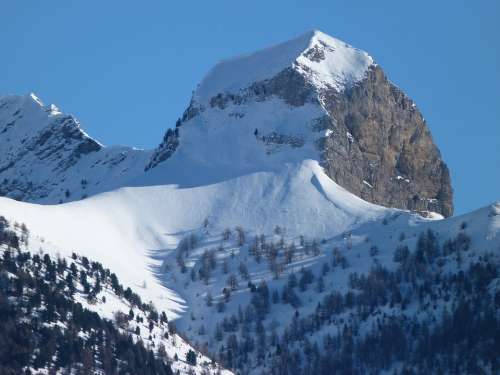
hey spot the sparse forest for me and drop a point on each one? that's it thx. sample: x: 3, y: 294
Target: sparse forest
x: 433, y: 309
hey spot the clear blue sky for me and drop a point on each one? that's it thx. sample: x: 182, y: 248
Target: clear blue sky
x: 126, y: 69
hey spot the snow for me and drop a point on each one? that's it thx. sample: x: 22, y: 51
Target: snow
x: 130, y: 230
x: 38, y: 154
x: 216, y: 146
x: 342, y: 64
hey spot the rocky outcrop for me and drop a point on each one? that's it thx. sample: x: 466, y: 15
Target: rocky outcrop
x: 165, y: 149
x: 379, y: 147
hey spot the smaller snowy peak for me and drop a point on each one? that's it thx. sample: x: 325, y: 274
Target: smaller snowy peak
x: 323, y: 60
x: 26, y: 117
x: 48, y: 158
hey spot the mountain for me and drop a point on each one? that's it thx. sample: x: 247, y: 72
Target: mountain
x: 275, y: 225
x: 47, y: 158
x: 313, y: 97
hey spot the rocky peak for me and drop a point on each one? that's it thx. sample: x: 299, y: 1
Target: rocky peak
x: 380, y: 148
x: 26, y: 120
x: 316, y: 97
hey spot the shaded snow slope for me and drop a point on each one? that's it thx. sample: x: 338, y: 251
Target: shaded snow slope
x: 101, y: 295
x: 333, y: 259
x: 130, y: 230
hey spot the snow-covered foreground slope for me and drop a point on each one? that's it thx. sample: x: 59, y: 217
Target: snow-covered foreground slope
x: 48, y: 278
x: 132, y: 229
x: 157, y: 239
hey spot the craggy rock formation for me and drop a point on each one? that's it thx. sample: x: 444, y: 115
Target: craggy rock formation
x: 381, y: 149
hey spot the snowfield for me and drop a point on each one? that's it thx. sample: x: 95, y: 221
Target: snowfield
x: 136, y: 232
x: 131, y: 229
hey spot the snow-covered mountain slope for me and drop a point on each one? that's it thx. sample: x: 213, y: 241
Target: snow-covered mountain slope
x: 47, y: 158
x: 267, y: 298
x: 131, y: 229
x: 78, y: 280
x: 196, y: 251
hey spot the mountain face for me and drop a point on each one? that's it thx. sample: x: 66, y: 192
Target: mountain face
x: 390, y: 158
x: 47, y: 158
x: 318, y: 97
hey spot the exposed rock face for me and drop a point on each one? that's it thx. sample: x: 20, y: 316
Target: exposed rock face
x: 380, y: 148
x: 165, y: 149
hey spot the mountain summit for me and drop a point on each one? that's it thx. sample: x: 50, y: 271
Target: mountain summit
x: 311, y: 98
x: 321, y: 59
x: 314, y: 97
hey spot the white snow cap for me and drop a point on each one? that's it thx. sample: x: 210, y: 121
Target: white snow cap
x: 322, y: 59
